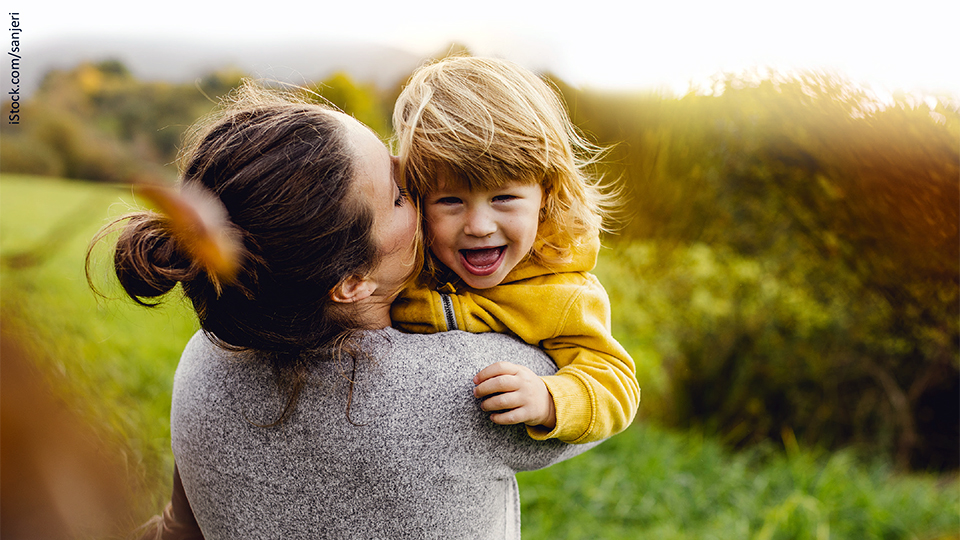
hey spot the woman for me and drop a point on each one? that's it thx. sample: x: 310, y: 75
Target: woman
x: 298, y: 412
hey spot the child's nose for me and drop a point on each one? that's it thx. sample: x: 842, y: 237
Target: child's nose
x: 479, y: 223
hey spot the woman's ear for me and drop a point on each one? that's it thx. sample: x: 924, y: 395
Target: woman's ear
x: 352, y: 289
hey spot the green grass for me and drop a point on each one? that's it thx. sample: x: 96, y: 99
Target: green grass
x: 110, y: 360
x: 114, y: 362
x: 653, y: 483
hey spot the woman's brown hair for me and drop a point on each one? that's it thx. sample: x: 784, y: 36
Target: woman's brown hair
x: 283, y: 172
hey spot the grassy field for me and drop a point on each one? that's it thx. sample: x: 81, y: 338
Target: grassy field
x: 113, y: 362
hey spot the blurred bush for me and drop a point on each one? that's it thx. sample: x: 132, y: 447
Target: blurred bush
x: 99, y: 122
x: 795, y: 255
x: 757, y: 349
x: 25, y: 155
x: 362, y: 101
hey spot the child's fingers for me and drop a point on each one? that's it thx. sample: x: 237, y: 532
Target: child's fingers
x: 496, y: 370
x: 496, y: 378
x: 511, y: 417
x: 496, y: 385
x: 503, y: 402
x: 516, y: 394
x: 512, y: 408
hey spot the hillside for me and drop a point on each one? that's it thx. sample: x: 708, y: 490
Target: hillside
x: 185, y: 61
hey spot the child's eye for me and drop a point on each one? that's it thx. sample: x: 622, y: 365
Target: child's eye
x: 504, y: 197
x: 448, y: 200
x: 404, y: 195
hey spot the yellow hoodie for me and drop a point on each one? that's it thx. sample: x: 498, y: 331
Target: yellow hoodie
x: 565, y: 311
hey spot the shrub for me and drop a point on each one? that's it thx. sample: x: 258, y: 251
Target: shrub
x: 20, y: 154
x: 761, y: 348
x: 847, y: 209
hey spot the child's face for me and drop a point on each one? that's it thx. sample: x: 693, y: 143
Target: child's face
x: 482, y: 235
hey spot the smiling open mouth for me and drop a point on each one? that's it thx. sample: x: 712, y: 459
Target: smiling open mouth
x: 482, y: 262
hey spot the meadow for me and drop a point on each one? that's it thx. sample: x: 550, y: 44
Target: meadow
x: 112, y: 363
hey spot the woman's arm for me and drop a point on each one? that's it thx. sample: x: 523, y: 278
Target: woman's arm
x: 177, y: 521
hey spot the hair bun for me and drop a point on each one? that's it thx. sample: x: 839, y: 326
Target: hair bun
x: 148, y: 261
x: 201, y: 226
x: 190, y: 236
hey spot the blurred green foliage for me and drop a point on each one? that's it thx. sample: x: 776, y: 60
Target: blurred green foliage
x: 794, y: 253
x: 98, y: 122
x: 362, y: 101
x: 788, y: 263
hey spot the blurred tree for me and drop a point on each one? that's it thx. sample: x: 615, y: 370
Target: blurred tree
x: 850, y: 203
x: 362, y: 101
x: 98, y: 122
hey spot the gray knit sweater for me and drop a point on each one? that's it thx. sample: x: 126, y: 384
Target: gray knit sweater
x: 423, y: 460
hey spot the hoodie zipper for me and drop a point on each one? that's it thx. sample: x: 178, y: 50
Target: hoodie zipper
x: 448, y: 313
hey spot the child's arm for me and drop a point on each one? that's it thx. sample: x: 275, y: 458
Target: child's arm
x: 595, y: 393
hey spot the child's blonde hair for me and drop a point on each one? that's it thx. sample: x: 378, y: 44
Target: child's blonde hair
x: 487, y: 122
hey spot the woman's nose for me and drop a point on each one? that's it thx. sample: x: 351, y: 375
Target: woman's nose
x: 479, y: 223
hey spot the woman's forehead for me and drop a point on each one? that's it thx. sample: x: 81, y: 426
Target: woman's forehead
x: 365, y: 144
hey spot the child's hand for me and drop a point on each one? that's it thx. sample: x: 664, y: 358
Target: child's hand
x: 518, y: 392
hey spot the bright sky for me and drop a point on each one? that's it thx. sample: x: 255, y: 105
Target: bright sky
x: 617, y: 44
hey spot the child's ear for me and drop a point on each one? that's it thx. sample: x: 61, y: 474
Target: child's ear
x: 352, y: 289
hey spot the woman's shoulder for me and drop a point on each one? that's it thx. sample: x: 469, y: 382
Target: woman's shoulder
x: 464, y: 348
x: 202, y: 352
x: 204, y: 362
x: 209, y: 370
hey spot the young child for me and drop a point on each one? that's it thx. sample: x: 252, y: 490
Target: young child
x: 512, y: 222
